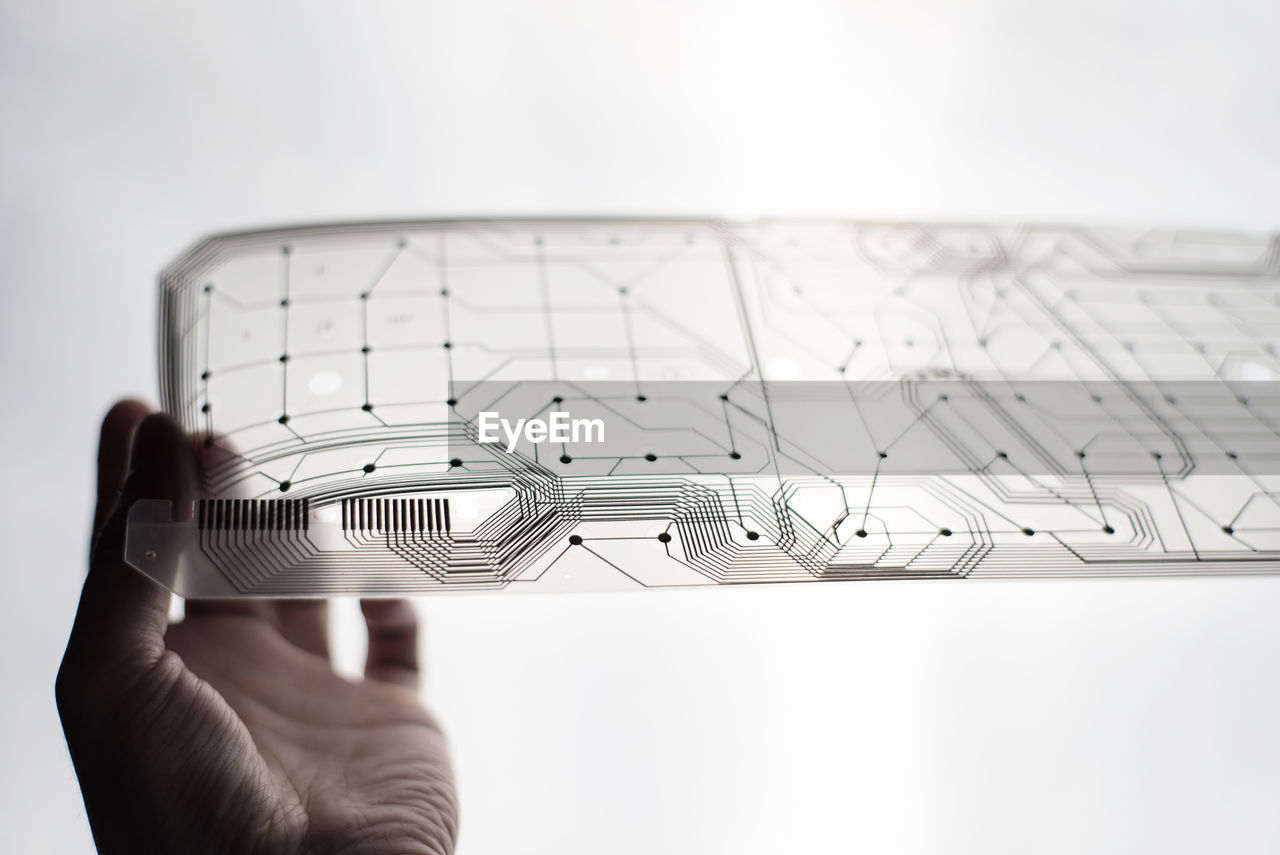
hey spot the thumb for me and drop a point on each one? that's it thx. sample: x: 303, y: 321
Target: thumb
x: 122, y: 616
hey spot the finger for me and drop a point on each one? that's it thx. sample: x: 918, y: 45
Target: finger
x: 305, y: 623
x: 393, y: 641
x: 113, y: 455
x: 208, y: 456
x: 122, y: 615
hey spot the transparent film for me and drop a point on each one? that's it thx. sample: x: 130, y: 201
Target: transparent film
x: 503, y: 405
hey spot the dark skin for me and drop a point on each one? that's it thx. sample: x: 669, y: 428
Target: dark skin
x: 230, y: 731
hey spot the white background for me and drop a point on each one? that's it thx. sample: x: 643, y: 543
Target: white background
x: 1108, y: 716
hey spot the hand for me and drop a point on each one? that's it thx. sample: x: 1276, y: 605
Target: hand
x: 229, y: 731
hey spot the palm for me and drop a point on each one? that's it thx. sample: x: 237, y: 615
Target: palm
x: 335, y: 763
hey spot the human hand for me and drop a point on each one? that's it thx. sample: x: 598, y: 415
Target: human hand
x: 229, y: 731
